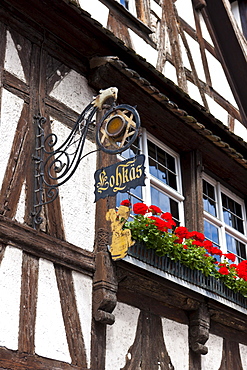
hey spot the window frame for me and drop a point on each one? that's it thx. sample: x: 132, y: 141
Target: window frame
x: 218, y: 220
x: 151, y: 180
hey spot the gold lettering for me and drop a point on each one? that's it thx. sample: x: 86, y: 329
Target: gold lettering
x: 138, y: 171
x: 125, y: 174
x: 103, y: 184
x: 118, y: 177
x: 132, y: 174
x: 112, y: 181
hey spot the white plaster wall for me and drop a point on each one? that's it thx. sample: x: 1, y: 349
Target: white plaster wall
x: 240, y: 130
x: 243, y: 355
x: 83, y: 292
x: 120, y: 336
x: 170, y: 72
x: 177, y: 343
x: 194, y: 92
x: 156, y: 8
x: 12, y: 61
x: 217, y: 110
x: 204, y: 30
x: 10, y: 290
x: 196, y: 55
x: 73, y: 90
x: 143, y: 49
x: 77, y: 195
x: 97, y: 10
x: 50, y: 336
x: 10, y: 114
x: 20, y: 211
x: 212, y: 360
x: 218, y: 77
x: 185, y: 11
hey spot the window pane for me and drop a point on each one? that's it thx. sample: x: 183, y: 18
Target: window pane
x: 236, y: 247
x: 164, y: 202
x: 162, y: 165
x: 125, y: 3
x: 232, y: 213
x: 132, y: 151
x: 135, y: 196
x: 209, y: 201
x: 211, y: 232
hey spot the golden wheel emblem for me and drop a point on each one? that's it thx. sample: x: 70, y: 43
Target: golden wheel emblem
x: 118, y: 129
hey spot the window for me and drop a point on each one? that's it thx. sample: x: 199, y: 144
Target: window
x: 129, y: 5
x: 239, y: 10
x: 224, y: 218
x: 163, y: 179
x: 125, y: 3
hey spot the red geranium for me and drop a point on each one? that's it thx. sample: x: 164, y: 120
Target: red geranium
x: 224, y: 270
x: 160, y: 224
x: 207, y: 244
x: 242, y: 270
x: 166, y: 216
x: 125, y: 203
x: 230, y: 256
x: 214, y: 250
x: 140, y: 208
x: 196, y: 235
x: 155, y: 210
x: 197, y: 243
x: 181, y: 232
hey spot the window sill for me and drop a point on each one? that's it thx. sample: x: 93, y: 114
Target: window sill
x: 192, y: 279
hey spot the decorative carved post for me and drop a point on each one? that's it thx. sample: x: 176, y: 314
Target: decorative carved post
x: 199, y: 329
x: 105, y: 285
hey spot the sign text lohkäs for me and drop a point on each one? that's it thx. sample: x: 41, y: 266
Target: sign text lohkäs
x: 119, y: 177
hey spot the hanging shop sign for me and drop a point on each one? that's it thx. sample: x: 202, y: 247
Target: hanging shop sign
x: 119, y: 177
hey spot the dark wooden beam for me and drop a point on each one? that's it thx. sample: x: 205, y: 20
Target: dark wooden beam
x: 42, y: 245
x: 231, y: 52
x: 13, y: 360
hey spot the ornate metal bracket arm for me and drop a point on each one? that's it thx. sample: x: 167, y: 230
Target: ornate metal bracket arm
x: 55, y: 163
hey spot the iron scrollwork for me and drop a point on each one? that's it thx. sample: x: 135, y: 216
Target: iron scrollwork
x: 54, y: 167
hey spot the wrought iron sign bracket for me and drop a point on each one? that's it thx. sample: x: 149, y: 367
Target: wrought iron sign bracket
x: 55, y: 164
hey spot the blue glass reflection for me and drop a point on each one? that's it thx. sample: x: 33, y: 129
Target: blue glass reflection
x: 211, y: 232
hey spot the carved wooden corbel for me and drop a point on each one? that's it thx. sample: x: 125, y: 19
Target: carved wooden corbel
x: 199, y: 324
x: 104, y: 284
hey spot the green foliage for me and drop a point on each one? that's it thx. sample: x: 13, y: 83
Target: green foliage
x: 144, y: 230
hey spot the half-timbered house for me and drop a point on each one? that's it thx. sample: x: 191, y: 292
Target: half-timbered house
x: 64, y: 303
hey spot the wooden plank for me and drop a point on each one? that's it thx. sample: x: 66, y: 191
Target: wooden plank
x: 191, y: 163
x: 2, y: 57
x: 194, y: 360
x: 30, y: 145
x: 14, y: 84
x: 71, y: 316
x: 169, y: 10
x: 148, y: 351
x: 16, y: 168
x: 42, y: 245
x: 13, y: 360
x: 231, y: 356
x: 29, y: 289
